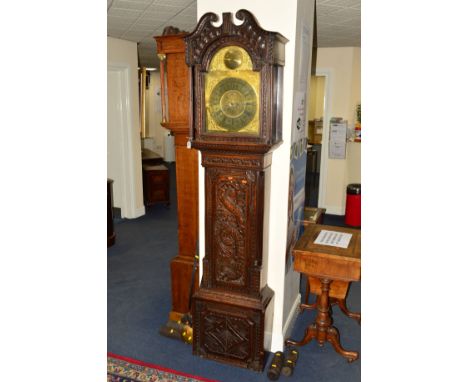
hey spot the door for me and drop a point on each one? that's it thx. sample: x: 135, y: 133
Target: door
x: 315, y: 139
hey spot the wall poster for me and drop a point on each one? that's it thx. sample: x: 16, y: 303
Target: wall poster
x: 298, y: 157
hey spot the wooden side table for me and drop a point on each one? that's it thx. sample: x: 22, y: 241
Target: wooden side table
x: 327, y: 263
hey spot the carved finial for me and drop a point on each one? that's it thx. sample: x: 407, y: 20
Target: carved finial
x: 170, y: 30
x: 227, y: 23
x: 259, y: 43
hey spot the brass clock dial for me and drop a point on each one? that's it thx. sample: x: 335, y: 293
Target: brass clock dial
x: 232, y: 93
x: 232, y: 103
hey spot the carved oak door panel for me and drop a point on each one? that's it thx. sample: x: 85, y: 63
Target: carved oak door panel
x: 234, y: 253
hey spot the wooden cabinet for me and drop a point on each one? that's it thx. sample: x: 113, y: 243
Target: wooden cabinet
x: 156, y: 185
x: 315, y: 131
x: 175, y: 96
x: 150, y: 158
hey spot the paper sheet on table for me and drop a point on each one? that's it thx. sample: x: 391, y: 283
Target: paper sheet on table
x: 333, y: 238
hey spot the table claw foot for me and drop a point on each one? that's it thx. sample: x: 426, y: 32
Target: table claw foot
x: 309, y: 335
x: 344, y: 309
x: 334, y: 338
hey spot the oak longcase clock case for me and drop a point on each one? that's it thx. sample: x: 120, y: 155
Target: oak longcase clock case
x: 236, y: 123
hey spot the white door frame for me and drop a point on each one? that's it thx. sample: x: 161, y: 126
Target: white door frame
x: 129, y: 208
x: 327, y: 73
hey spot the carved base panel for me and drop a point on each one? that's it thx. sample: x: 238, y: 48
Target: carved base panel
x: 181, y: 277
x: 229, y: 329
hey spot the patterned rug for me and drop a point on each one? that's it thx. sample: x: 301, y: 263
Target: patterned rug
x: 124, y: 369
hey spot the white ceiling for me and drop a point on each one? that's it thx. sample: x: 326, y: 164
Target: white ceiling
x: 338, y: 22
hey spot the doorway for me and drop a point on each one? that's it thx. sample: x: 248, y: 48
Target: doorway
x: 315, y: 137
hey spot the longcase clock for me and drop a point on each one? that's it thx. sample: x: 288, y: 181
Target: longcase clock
x: 237, y: 99
x: 175, y: 98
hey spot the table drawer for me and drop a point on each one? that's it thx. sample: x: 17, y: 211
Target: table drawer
x: 346, y: 270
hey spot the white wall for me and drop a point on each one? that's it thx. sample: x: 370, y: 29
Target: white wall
x: 279, y: 16
x: 305, y: 17
x: 123, y: 128
x: 344, y: 67
x: 316, y: 101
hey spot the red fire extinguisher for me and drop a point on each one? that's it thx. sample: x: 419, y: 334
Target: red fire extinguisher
x: 353, y: 205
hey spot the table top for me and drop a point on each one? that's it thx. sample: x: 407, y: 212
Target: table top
x: 328, y: 261
x: 159, y: 167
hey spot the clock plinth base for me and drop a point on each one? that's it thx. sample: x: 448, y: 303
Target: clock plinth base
x: 181, y: 275
x: 229, y: 328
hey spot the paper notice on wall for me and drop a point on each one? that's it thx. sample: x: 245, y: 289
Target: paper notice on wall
x: 333, y: 238
x: 338, y: 131
x: 337, y: 143
x: 337, y: 150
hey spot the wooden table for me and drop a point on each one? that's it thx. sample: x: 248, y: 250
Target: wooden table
x: 327, y: 263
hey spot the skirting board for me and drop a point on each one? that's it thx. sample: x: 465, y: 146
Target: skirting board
x: 287, y: 327
x: 137, y: 212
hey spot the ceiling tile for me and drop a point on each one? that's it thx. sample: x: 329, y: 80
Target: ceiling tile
x: 185, y: 19
x: 164, y: 9
x: 354, y: 22
x: 118, y: 22
x: 325, y: 10
x: 138, y: 27
x: 338, y: 21
x: 179, y: 3
x: 132, y: 4
x: 342, y: 3
x: 125, y: 13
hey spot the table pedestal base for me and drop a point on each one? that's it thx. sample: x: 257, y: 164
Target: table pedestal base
x: 341, y: 304
x: 322, y: 330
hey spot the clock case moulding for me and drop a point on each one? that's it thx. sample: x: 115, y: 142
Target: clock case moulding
x: 267, y: 52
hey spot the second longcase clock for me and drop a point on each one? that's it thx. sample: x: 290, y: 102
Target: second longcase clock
x: 175, y: 96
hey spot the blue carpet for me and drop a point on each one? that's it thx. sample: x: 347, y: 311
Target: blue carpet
x: 139, y: 300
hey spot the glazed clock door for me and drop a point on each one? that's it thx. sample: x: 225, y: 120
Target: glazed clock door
x: 232, y: 93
